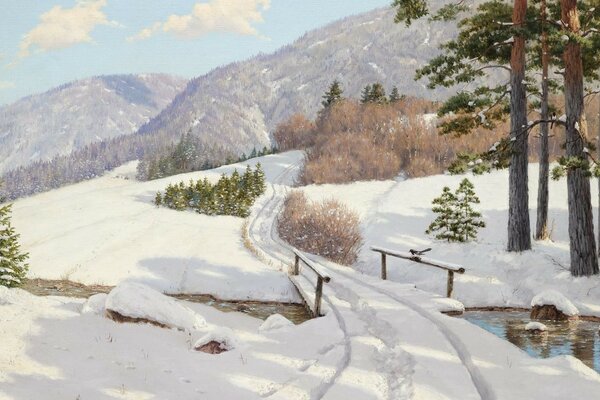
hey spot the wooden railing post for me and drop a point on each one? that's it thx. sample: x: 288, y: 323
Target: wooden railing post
x: 297, y: 265
x: 450, y: 287
x: 318, y: 297
x: 383, y: 267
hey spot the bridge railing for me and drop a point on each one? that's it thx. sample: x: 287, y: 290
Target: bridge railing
x: 321, y: 278
x: 416, y: 256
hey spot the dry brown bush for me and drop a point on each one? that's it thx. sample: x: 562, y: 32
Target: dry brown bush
x: 295, y: 133
x: 353, y: 142
x: 328, y: 228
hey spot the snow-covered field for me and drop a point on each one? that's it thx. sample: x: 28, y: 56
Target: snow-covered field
x: 395, y: 215
x: 107, y: 230
x: 378, y: 340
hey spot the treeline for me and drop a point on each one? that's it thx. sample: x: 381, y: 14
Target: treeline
x: 378, y: 138
x: 232, y: 195
x: 95, y: 159
x: 188, y: 155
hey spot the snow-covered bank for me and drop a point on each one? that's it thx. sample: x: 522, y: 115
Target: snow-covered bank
x: 52, y: 351
x: 396, y: 215
x: 107, y: 231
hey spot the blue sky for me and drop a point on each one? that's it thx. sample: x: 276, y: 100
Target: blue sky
x: 45, y: 43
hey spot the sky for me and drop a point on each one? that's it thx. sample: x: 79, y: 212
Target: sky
x: 46, y: 43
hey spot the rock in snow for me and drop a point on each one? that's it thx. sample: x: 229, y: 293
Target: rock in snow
x: 274, y: 322
x: 140, y: 303
x: 556, y: 299
x: 536, y: 327
x: 217, y: 341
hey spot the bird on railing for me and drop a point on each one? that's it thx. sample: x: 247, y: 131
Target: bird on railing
x: 419, y: 252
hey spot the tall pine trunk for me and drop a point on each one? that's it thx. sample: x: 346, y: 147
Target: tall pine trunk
x: 581, y: 225
x: 541, y: 231
x: 519, y: 230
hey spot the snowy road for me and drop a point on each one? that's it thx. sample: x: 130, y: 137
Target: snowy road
x: 396, y: 342
x: 383, y: 330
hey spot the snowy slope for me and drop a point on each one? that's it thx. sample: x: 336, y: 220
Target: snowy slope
x: 395, y: 215
x: 107, y: 230
x: 66, y: 118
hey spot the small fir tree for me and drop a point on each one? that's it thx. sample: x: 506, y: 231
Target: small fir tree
x: 457, y: 221
x: 13, y: 262
x: 395, y: 95
x: 378, y: 94
x: 469, y: 220
x: 333, y: 95
x: 445, y: 207
x: 366, y: 94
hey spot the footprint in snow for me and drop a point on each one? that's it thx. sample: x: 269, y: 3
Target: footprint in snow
x: 184, y: 380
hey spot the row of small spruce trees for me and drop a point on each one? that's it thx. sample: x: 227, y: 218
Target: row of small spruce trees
x: 232, y: 195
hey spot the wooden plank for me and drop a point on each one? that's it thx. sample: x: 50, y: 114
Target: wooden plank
x: 419, y: 259
x: 310, y: 265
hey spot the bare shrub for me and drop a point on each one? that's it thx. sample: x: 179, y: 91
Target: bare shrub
x: 295, y: 133
x: 352, y: 142
x: 328, y: 228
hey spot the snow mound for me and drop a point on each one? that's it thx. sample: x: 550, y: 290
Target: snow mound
x: 95, y: 304
x: 14, y: 296
x: 556, y: 299
x: 536, y: 326
x: 135, y: 300
x: 274, y: 322
x: 224, y: 336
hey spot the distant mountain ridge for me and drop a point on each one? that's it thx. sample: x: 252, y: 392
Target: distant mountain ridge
x: 66, y: 118
x: 239, y: 105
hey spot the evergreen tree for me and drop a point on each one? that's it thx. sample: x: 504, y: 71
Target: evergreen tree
x: 457, y: 221
x: 333, y: 95
x: 365, y: 96
x: 13, y: 265
x: 444, y: 224
x: 259, y: 185
x: 158, y: 200
x: 395, y: 95
x: 378, y: 95
x: 468, y: 220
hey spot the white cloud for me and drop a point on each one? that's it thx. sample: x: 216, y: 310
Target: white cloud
x: 234, y: 16
x: 64, y: 27
x: 6, y: 85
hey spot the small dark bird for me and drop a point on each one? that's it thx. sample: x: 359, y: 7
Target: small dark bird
x: 552, y: 118
x: 418, y: 252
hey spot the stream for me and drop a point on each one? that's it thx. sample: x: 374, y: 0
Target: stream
x: 579, y: 338
x: 296, y: 313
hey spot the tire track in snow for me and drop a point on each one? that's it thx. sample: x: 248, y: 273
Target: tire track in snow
x: 483, y: 388
x: 273, y: 205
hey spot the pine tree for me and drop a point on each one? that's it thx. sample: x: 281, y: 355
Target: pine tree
x: 378, y: 95
x: 158, y: 200
x: 457, y: 221
x: 468, y: 220
x: 13, y: 265
x: 395, y: 95
x: 365, y: 96
x: 333, y: 95
x: 259, y: 185
x: 444, y: 224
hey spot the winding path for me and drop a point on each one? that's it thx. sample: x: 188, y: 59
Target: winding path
x: 394, y: 343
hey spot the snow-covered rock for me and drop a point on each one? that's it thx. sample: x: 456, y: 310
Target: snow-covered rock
x: 95, y: 304
x: 274, y: 322
x: 556, y: 299
x: 536, y: 327
x: 137, y: 301
x: 217, y: 341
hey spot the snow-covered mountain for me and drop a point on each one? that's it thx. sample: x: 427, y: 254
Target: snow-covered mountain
x: 68, y: 117
x: 240, y: 104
